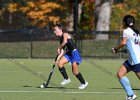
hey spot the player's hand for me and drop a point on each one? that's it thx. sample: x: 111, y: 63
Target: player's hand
x: 59, y: 51
x: 114, y: 50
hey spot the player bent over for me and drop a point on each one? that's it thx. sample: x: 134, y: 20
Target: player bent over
x: 72, y: 55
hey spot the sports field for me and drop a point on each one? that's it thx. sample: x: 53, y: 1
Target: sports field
x: 20, y: 78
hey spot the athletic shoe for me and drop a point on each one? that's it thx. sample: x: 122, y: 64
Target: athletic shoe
x: 83, y: 86
x: 66, y: 81
x: 131, y: 97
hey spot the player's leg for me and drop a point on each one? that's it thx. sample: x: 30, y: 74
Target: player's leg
x: 137, y: 70
x: 138, y: 75
x: 79, y: 76
x: 76, y: 72
x: 123, y: 70
x: 62, y: 70
x: 76, y: 60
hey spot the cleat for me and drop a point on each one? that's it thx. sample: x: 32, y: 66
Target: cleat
x: 131, y: 97
x: 66, y: 81
x: 83, y: 86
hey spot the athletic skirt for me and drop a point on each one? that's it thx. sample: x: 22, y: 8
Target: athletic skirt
x: 73, y: 56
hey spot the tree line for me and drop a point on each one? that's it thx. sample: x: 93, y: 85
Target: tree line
x: 99, y: 15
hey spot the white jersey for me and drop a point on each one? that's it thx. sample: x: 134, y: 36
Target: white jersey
x: 133, y: 46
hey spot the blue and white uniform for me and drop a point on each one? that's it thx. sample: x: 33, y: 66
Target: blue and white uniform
x: 133, y: 48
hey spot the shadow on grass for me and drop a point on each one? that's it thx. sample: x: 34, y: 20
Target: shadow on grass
x: 54, y: 87
x: 26, y: 86
x: 123, y: 88
x: 49, y: 87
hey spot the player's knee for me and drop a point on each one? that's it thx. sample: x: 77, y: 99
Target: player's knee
x: 75, y: 72
x: 60, y: 64
x: 120, y: 74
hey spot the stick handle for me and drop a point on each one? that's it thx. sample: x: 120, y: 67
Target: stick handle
x: 123, y: 51
x: 56, y: 58
x: 59, y: 55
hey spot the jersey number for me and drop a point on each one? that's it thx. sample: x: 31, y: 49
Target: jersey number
x: 136, y: 41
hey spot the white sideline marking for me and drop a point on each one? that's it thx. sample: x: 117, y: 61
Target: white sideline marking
x: 95, y: 92
x: 69, y: 92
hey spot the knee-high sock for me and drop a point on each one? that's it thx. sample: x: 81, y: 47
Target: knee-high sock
x: 80, y: 78
x: 63, y: 72
x: 126, y: 85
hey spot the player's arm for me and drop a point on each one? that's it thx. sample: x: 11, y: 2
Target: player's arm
x: 121, y: 45
x: 63, y: 43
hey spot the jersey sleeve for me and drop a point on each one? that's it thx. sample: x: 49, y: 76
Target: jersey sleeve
x: 127, y: 34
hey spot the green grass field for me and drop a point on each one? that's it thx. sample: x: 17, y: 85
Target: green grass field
x: 20, y: 78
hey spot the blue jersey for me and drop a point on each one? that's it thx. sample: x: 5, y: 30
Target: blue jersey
x: 133, y: 46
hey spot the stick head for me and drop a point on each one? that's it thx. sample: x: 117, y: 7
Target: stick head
x: 43, y: 86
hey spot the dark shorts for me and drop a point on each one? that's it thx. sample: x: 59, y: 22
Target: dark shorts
x: 135, y: 68
x: 73, y: 56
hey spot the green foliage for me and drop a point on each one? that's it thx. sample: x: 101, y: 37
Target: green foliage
x: 87, y: 18
x: 39, y: 13
x: 122, y: 9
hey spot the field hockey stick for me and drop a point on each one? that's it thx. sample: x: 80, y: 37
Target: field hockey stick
x: 123, y: 51
x: 119, y: 51
x: 45, y: 85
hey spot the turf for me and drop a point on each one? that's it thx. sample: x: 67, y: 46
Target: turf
x: 20, y: 78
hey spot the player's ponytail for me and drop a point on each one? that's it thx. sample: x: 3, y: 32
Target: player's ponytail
x: 134, y: 29
x: 129, y: 21
x: 59, y: 25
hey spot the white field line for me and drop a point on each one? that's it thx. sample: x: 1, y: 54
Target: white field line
x: 68, y: 92
x: 13, y: 71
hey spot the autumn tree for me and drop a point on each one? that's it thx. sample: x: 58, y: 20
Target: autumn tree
x: 70, y: 13
x: 87, y: 16
x: 38, y: 12
x: 123, y: 8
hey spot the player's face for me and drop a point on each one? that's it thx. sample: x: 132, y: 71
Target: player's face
x: 57, y: 31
